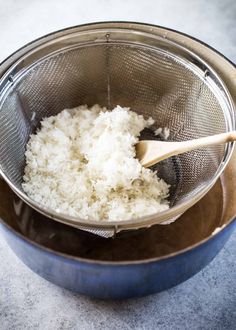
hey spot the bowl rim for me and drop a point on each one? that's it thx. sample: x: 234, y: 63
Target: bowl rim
x: 71, y: 258
x: 134, y: 223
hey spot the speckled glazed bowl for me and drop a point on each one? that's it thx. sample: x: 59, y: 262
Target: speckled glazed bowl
x: 135, y: 263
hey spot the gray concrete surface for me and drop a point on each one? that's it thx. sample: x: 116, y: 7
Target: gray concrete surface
x: 206, y: 301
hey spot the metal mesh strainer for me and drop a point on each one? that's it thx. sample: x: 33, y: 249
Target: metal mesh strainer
x: 153, y: 76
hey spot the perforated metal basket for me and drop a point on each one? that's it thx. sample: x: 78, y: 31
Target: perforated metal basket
x: 110, y: 64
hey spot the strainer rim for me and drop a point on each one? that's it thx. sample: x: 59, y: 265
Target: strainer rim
x: 134, y: 222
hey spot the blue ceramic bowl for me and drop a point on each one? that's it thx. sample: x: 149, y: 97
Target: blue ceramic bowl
x: 135, y: 263
x: 132, y: 265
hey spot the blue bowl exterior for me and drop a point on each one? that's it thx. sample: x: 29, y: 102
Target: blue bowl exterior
x: 111, y: 280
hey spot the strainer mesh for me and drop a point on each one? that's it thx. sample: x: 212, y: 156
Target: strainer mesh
x: 151, y: 82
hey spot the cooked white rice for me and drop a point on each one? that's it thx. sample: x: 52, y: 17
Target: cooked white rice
x: 82, y: 163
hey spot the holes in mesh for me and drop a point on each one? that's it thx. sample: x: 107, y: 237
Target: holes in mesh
x: 150, y: 83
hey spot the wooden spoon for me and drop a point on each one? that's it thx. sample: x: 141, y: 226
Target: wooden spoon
x: 150, y: 152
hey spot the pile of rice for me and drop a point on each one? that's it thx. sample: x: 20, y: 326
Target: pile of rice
x: 82, y: 162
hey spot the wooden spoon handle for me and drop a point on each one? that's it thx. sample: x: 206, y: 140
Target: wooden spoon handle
x: 206, y: 141
x: 152, y: 151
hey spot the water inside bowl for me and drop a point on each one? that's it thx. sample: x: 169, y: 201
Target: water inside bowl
x: 160, y: 240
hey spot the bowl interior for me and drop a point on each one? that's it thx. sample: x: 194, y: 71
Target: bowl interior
x: 216, y: 209
x: 160, y: 240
